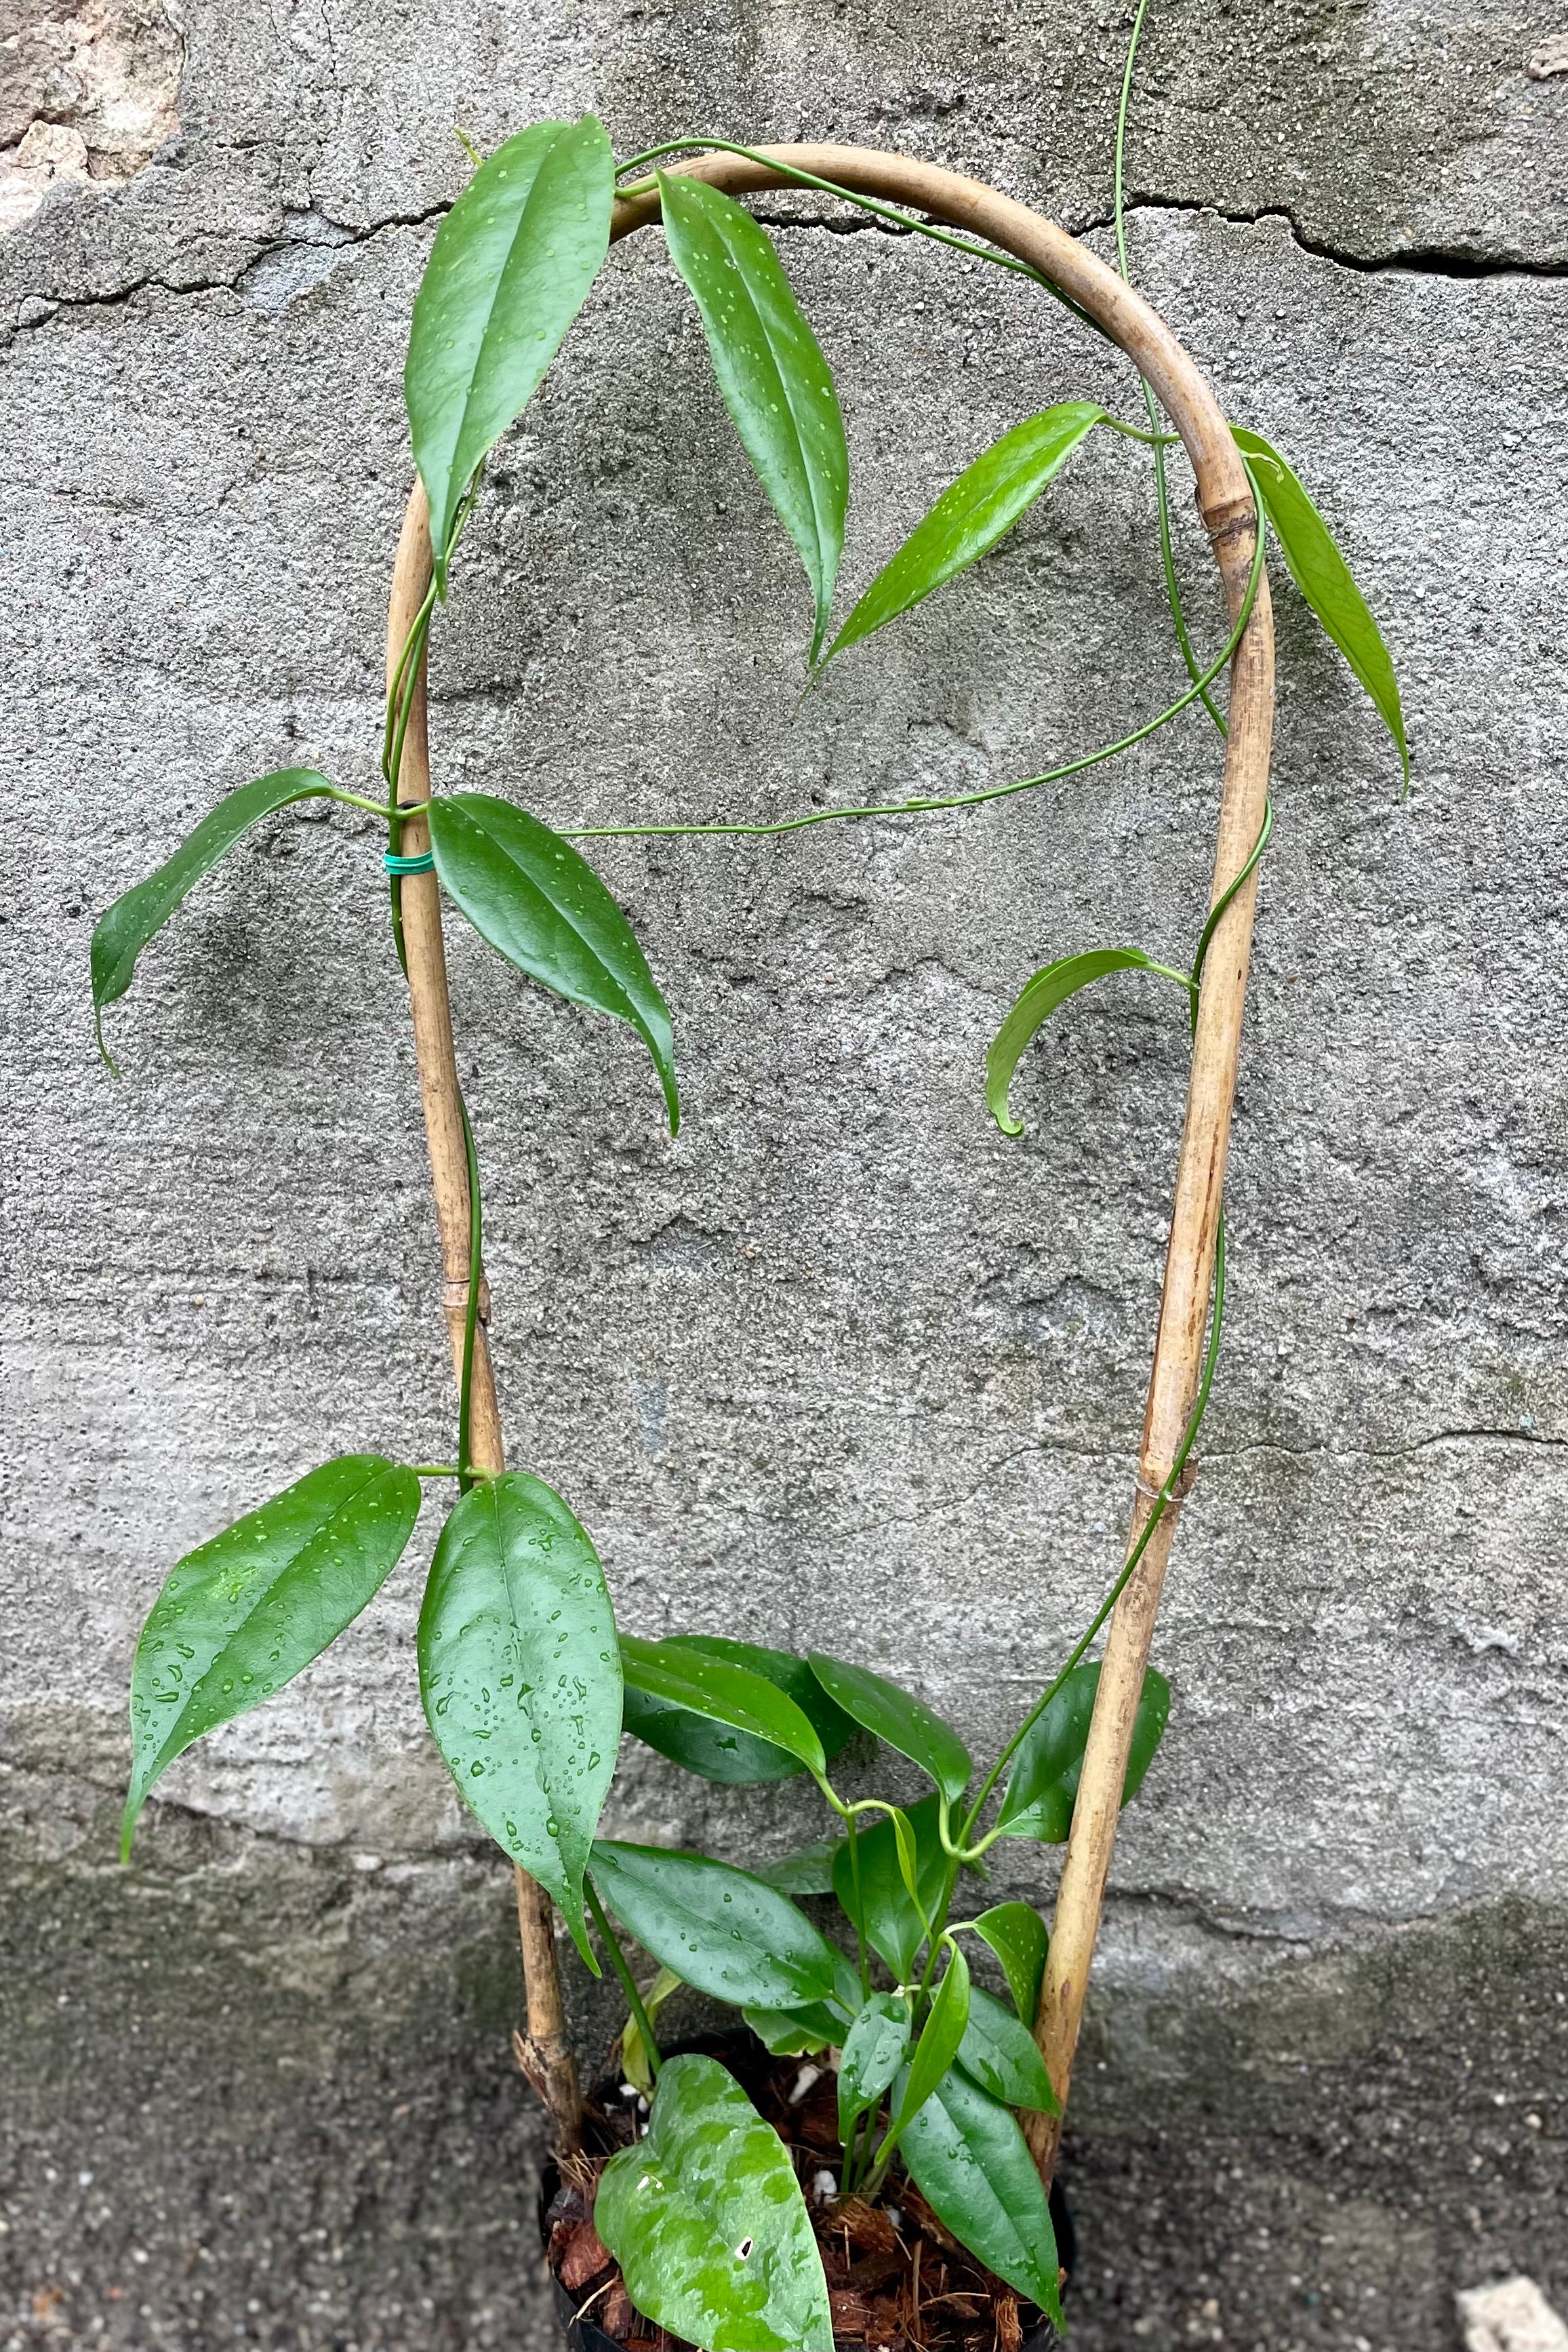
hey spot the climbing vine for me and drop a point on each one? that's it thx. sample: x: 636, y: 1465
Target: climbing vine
x: 526, y: 1683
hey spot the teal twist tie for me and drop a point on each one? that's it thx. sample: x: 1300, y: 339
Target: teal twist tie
x: 423, y: 864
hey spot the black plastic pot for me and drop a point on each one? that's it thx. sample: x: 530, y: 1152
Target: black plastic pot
x: 584, y: 2336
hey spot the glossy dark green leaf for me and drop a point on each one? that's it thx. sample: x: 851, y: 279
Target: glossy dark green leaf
x: 972, y: 514
x: 545, y: 910
x: 776, y: 383
x: 508, y: 272
x: 521, y: 1679
x: 236, y: 1619
x: 704, y: 1702
x: 1323, y: 577
x: 809, y: 1872
x: 718, y: 1928
x: 941, y: 2037
x: 998, y: 2053
x: 906, y: 1724
x: 894, y: 1927
x: 796, y: 2033
x: 1037, y: 1001
x: 1016, y: 1933
x: 967, y: 2157
x: 876, y: 2047
x: 1042, y: 1787
x: 706, y: 2218
x: 122, y: 933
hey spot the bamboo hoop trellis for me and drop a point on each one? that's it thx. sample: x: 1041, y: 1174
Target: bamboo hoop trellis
x: 1226, y: 505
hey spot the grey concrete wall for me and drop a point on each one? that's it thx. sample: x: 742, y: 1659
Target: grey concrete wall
x: 842, y: 1365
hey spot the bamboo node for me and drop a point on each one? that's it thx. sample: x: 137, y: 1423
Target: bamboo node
x: 1179, y: 1492
x: 455, y: 1299
x: 1236, y: 519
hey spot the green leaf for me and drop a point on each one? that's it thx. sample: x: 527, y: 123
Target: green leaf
x: 1323, y: 577
x: 706, y: 2218
x: 521, y: 1682
x: 636, y: 2067
x: 719, y: 1929
x: 1016, y: 1933
x: 774, y: 1712
x: 998, y: 2053
x: 1038, y: 1000
x: 240, y: 1616
x: 508, y: 272
x: 969, y: 2159
x: 972, y: 514
x: 810, y: 1872
x: 903, y: 1838
x: 894, y: 1927
x: 542, y: 906
x: 905, y: 1723
x: 877, y: 2048
x: 1042, y: 1787
x: 941, y: 2037
x: 120, y: 934
x: 776, y: 383
x: 795, y: 2032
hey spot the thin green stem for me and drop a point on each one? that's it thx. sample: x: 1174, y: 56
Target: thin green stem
x: 1161, y: 1505
x: 1158, y: 440
x: 889, y: 212
x: 1221, y: 904
x: 959, y: 800
x: 618, y: 1962
x: 864, y: 1960
x: 377, y: 807
x: 471, y: 1310
x: 396, y: 683
x: 1153, y: 440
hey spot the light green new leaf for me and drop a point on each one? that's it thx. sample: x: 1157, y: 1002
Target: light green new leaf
x: 998, y: 2053
x: 718, y: 1928
x: 1038, y: 1000
x: 895, y: 1925
x: 969, y: 2159
x: 521, y: 1679
x: 706, y: 2218
x: 776, y: 383
x: 508, y: 272
x: 1323, y: 577
x: 875, y: 2049
x: 542, y: 906
x: 1042, y: 1787
x: 1016, y: 1933
x: 906, y: 1724
x: 731, y: 1711
x: 239, y: 1617
x: 941, y: 2037
x: 120, y: 934
x: 636, y: 2067
x: 972, y: 515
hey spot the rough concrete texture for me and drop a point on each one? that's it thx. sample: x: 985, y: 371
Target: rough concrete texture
x: 842, y: 1364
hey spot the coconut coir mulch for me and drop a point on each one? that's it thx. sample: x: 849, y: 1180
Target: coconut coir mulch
x: 896, y: 2278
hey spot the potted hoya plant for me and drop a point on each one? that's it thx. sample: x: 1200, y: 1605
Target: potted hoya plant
x: 868, y: 2156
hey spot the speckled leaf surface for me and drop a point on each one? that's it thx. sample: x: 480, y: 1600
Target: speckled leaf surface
x: 706, y: 2218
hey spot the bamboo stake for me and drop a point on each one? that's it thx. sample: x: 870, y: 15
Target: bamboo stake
x: 545, y: 2054
x: 1225, y: 502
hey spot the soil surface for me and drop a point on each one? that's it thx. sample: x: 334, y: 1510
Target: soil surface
x: 896, y: 2278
